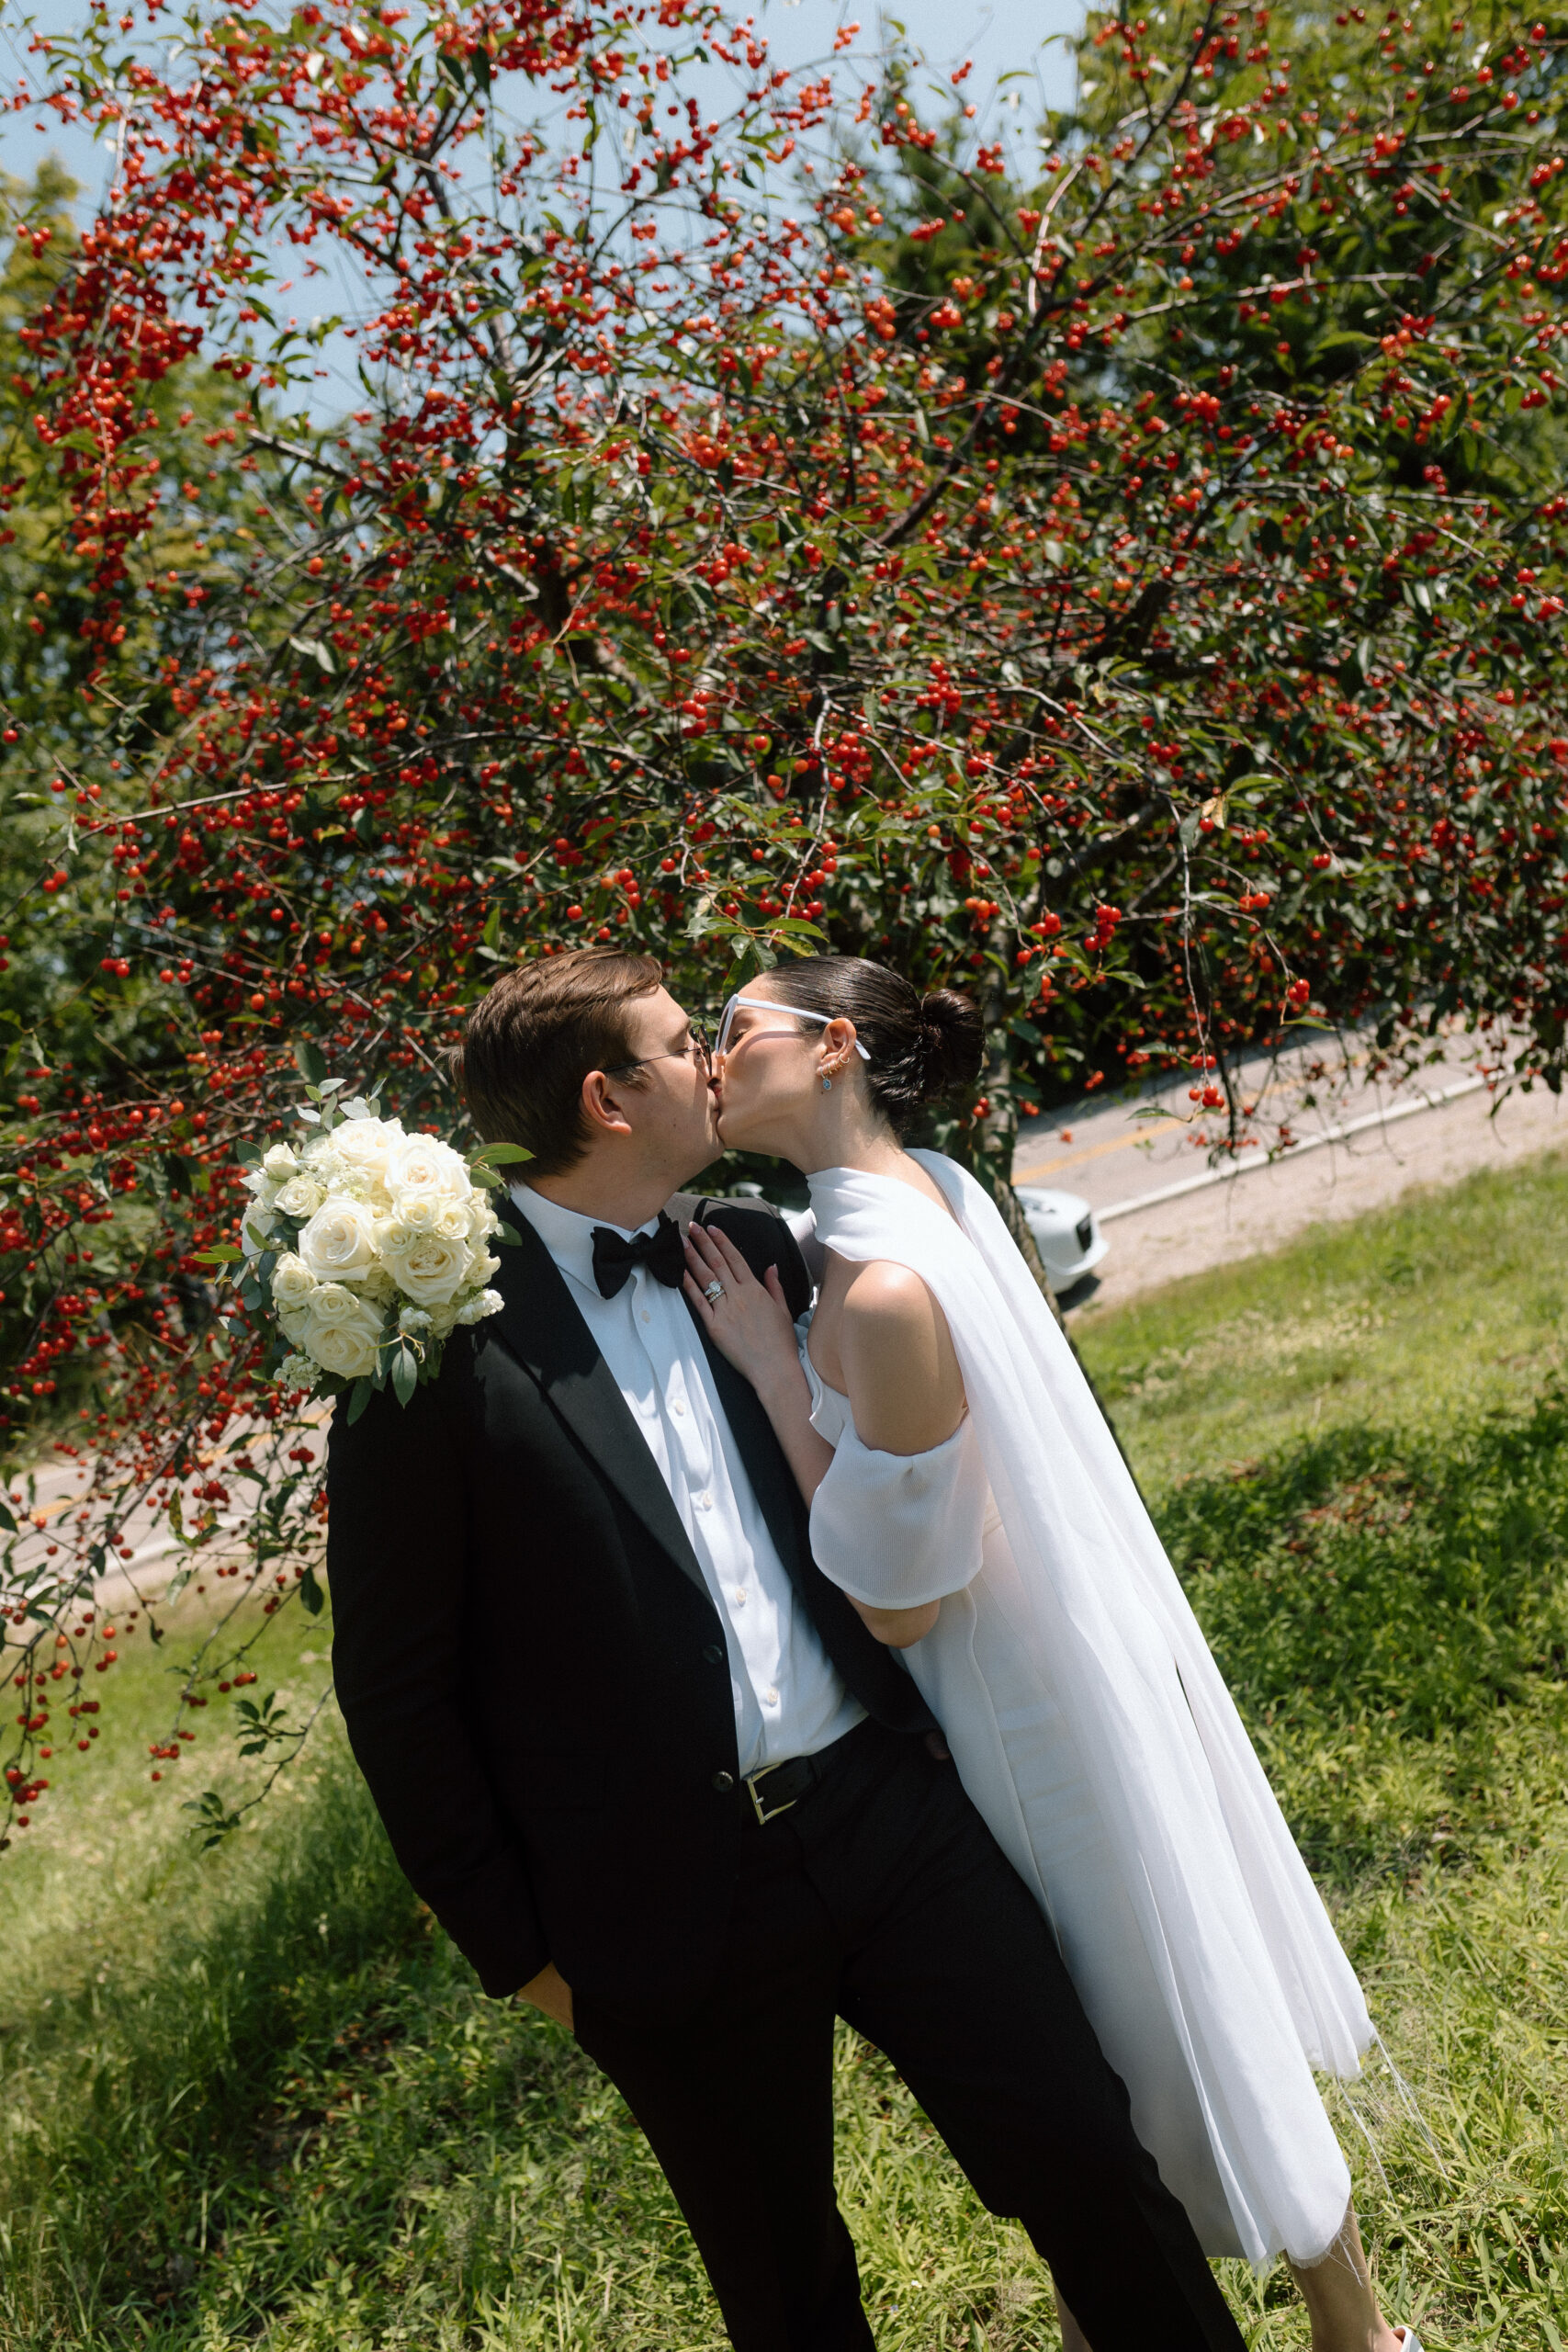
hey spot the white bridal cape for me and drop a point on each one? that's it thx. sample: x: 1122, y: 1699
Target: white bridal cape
x: 1093, y: 1731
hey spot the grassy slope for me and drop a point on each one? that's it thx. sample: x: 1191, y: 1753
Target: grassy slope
x: 251, y: 2096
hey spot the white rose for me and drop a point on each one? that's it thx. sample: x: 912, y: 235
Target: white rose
x: 338, y: 1243
x: 301, y: 1196
x: 321, y: 1158
x: 474, y: 1310
x: 279, y: 1163
x: 297, y: 1371
x: 452, y: 1222
x: 425, y: 1266
x: 349, y: 1347
x: 293, y: 1322
x: 365, y: 1147
x: 480, y: 1266
x: 422, y: 1164
x: 482, y: 1218
x: 418, y: 1212
x: 379, y: 1287
x: 292, y: 1282
x: 335, y: 1303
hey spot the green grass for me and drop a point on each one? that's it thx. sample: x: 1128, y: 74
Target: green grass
x: 253, y: 2096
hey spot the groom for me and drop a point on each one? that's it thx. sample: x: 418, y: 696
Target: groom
x: 648, y: 1767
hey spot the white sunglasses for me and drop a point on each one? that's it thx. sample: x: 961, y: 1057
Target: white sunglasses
x: 769, y: 1004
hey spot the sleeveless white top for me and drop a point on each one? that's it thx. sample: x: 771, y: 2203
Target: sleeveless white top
x: 1094, y: 1733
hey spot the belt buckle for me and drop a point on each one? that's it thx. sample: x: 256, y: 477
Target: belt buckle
x: 758, y: 1803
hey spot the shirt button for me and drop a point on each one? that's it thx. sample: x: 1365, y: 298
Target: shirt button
x: 679, y: 1407
x: 713, y: 1655
x: 724, y: 1782
x: 770, y: 1698
x: 703, y: 1502
x: 643, y: 1316
x: 740, y: 1596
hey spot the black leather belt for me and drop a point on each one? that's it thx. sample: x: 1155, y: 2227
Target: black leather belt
x: 774, y: 1790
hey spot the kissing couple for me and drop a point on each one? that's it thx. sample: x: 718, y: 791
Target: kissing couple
x: 731, y: 1648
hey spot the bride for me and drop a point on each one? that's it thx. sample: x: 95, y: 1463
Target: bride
x: 968, y: 1497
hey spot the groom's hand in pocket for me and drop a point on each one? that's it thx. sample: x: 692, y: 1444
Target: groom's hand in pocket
x: 550, y: 1992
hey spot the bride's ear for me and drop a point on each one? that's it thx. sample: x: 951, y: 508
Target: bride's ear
x: 838, y: 1046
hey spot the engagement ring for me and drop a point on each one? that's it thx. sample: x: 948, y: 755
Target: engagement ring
x: 713, y: 1291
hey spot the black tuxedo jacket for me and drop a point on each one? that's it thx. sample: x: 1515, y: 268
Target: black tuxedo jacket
x: 534, y: 1677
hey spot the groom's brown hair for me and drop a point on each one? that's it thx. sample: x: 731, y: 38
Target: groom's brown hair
x: 532, y: 1040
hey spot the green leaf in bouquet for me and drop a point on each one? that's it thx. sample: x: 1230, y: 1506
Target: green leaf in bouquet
x: 225, y: 1254
x: 506, y: 1236
x: 498, y: 1155
x: 249, y: 1155
x: 358, y: 1397
x: 310, y: 1061
x: 405, y: 1372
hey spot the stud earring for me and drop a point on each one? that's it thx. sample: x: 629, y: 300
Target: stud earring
x: 826, y: 1086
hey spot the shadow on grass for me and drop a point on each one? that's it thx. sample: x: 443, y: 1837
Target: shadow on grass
x: 149, y: 2094
x: 1388, y: 1610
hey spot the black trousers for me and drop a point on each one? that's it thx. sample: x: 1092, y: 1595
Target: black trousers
x: 882, y: 1898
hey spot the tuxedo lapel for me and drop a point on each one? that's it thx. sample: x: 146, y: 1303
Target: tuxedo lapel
x: 541, y: 1327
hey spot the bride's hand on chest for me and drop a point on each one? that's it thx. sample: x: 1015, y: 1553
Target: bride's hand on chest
x: 746, y: 1319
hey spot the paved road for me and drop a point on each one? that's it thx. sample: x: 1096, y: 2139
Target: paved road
x: 1143, y: 1164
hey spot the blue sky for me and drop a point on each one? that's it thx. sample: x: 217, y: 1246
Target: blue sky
x: 1017, y: 44
x: 1001, y: 36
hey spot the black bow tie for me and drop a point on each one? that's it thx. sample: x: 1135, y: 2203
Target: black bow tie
x: 661, y: 1251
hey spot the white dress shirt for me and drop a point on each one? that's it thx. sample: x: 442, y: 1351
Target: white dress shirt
x: 788, y: 1697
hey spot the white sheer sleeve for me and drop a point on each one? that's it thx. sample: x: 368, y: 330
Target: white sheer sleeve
x: 897, y: 1530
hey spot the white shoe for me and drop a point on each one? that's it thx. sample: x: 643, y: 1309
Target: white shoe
x: 1409, y: 2338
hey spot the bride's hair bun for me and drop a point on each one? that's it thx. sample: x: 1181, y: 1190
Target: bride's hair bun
x: 952, y: 1041
x: 921, y: 1048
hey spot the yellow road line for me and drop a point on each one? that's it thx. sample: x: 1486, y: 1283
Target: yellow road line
x: 1076, y: 1159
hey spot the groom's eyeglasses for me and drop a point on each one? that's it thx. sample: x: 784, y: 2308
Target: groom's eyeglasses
x: 696, y: 1049
x: 767, y: 1004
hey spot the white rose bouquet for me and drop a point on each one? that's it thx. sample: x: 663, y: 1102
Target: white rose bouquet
x: 368, y: 1247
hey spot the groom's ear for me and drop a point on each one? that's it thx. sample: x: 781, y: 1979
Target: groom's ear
x: 603, y: 1105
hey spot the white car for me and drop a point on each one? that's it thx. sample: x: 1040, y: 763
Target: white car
x: 1065, y: 1231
